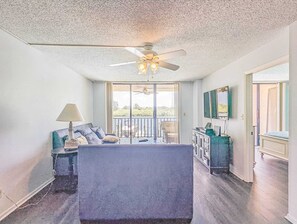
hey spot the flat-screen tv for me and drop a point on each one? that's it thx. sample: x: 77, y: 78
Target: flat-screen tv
x: 206, y: 105
x: 223, y: 102
x: 217, y: 103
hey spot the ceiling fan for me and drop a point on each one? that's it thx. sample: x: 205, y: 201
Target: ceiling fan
x: 150, y: 59
x: 147, y: 58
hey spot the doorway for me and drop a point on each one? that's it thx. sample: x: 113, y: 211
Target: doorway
x: 266, y: 113
x: 145, y: 112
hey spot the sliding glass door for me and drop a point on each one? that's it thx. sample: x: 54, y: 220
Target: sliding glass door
x: 145, y: 113
x: 167, y: 112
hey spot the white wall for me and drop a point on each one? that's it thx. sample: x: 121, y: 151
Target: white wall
x: 292, y: 216
x: 185, y: 105
x: 233, y: 75
x: 33, y: 89
x: 99, y: 108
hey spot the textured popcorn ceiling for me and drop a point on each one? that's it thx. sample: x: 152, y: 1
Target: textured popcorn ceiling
x: 214, y: 33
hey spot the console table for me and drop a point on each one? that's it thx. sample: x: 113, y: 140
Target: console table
x: 212, y: 151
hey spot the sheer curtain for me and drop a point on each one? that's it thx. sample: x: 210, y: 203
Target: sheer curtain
x: 109, y: 100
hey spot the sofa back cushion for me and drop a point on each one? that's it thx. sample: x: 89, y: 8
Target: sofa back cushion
x: 130, y: 182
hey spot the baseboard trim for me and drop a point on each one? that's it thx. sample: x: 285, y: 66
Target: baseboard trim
x: 291, y: 219
x: 24, y: 199
x: 236, y: 174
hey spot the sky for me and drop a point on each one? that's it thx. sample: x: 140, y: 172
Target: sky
x: 163, y: 99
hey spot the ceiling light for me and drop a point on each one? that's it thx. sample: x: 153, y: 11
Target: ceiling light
x: 154, y: 67
x: 142, y: 67
x: 145, y: 63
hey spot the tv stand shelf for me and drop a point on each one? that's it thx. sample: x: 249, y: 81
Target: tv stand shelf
x: 212, y: 151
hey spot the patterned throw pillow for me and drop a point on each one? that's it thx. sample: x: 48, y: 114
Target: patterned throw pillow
x: 91, y: 137
x: 84, y: 131
x: 111, y: 139
x: 99, y: 132
x: 82, y: 140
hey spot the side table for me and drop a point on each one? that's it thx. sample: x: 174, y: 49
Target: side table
x: 68, y: 183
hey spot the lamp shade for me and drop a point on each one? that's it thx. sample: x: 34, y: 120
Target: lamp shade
x: 70, y: 113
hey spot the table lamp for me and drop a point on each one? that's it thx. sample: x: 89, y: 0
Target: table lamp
x: 70, y: 113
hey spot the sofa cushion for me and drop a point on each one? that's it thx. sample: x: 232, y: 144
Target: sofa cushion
x: 99, y: 132
x: 135, y: 182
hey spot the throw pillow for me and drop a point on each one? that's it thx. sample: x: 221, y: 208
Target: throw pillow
x: 111, y: 138
x: 99, y: 132
x: 84, y: 131
x: 82, y: 140
x: 91, y: 137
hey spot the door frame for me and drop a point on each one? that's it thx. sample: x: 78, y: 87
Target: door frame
x: 248, y: 111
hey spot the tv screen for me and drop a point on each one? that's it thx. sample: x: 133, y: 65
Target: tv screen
x: 206, y: 105
x: 222, y: 102
x: 213, y: 104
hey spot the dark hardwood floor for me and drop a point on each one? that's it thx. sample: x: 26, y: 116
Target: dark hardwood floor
x: 225, y: 199
x: 218, y: 198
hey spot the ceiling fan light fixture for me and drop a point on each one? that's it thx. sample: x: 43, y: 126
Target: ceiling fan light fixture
x: 142, y: 67
x: 149, y: 61
x: 154, y: 67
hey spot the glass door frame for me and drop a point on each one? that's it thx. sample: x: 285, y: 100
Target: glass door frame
x: 155, y: 125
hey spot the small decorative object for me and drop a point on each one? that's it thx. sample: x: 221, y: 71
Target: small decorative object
x: 208, y: 125
x: 70, y: 113
x: 217, y: 130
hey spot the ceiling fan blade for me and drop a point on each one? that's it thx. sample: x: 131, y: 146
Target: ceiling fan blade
x: 172, y: 54
x: 135, y: 51
x: 172, y: 67
x: 124, y: 63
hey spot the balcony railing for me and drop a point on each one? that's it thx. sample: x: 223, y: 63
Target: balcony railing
x: 140, y: 126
